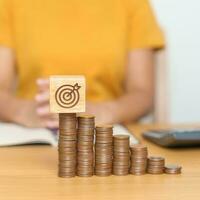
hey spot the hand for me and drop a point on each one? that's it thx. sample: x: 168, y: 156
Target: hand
x: 103, y: 112
x: 26, y: 114
x: 48, y: 119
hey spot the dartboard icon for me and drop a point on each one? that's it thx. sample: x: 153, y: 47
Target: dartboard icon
x: 67, y: 96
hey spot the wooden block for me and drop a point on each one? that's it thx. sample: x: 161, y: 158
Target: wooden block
x: 67, y: 94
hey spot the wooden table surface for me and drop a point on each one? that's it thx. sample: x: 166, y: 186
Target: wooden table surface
x: 30, y: 172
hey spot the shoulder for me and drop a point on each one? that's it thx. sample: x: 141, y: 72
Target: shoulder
x: 6, y: 3
x: 136, y: 4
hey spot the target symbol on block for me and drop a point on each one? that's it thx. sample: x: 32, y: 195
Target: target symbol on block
x: 67, y: 96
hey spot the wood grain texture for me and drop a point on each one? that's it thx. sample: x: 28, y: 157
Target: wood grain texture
x: 67, y: 94
x: 30, y: 173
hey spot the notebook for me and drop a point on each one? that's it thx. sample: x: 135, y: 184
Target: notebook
x: 12, y: 135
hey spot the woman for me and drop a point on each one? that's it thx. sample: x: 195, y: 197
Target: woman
x: 111, y: 42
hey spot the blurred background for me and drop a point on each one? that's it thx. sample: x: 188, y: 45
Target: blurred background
x: 178, y: 67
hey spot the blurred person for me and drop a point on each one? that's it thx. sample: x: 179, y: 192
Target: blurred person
x: 111, y: 42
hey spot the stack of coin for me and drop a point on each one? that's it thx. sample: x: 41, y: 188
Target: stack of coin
x: 138, y: 159
x: 121, y: 155
x: 155, y: 165
x: 173, y: 169
x: 103, y: 150
x: 86, y: 126
x: 67, y: 145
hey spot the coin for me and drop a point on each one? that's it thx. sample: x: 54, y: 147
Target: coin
x: 67, y: 145
x: 121, y: 155
x: 173, y: 169
x: 103, y: 150
x: 156, y: 165
x: 139, y: 155
x: 85, y: 158
x: 156, y: 159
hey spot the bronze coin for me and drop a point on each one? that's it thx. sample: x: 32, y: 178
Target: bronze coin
x: 67, y: 133
x: 86, y: 116
x: 121, y: 137
x: 67, y: 151
x: 104, y: 127
x: 155, y: 172
x: 84, y: 175
x: 106, y: 165
x: 103, y: 174
x: 138, y: 173
x: 156, y: 158
x: 67, y: 164
x: 103, y: 159
x: 138, y: 147
x: 85, y: 133
x: 120, y: 173
x: 67, y: 169
x: 85, y: 143
x: 66, y: 158
x: 173, y: 169
x: 64, y: 142
x: 86, y: 138
x: 81, y: 159
x: 99, y: 138
x: 103, y: 145
x: 103, y: 170
x: 68, y: 137
x: 107, y: 148
x: 122, y: 150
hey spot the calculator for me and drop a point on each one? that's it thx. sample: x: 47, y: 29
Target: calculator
x: 174, y: 137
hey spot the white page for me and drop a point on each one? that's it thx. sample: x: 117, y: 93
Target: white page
x: 11, y: 134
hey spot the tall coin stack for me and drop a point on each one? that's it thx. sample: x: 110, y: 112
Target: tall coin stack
x: 103, y: 150
x: 121, y: 156
x: 138, y: 159
x: 156, y: 165
x: 85, y: 157
x: 67, y: 145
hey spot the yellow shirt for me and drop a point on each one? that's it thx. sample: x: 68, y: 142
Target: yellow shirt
x: 76, y: 37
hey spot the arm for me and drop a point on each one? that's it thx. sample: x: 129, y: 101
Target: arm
x: 137, y: 99
x: 139, y: 88
x: 13, y: 109
x: 7, y: 76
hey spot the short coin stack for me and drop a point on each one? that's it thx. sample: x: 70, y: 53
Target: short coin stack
x: 67, y: 145
x: 172, y: 169
x: 138, y: 159
x: 85, y: 166
x: 121, y: 155
x: 103, y: 150
x: 155, y: 165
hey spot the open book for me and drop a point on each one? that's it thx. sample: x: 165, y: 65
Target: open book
x: 11, y: 134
